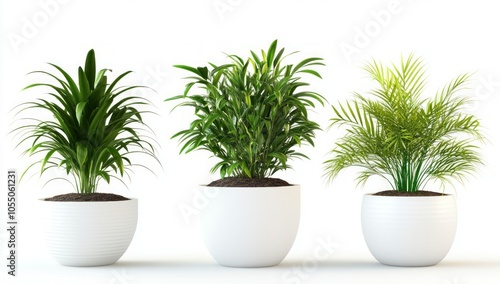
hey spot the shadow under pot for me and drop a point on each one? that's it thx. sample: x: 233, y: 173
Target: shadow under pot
x: 250, y: 226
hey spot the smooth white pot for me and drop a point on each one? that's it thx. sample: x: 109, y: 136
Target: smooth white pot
x: 409, y: 231
x: 250, y: 227
x: 89, y: 233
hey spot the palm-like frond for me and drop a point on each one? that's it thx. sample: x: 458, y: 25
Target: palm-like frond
x: 252, y: 113
x: 402, y: 137
x: 96, y: 126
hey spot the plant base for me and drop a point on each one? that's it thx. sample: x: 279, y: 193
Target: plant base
x: 68, y: 197
x: 249, y: 182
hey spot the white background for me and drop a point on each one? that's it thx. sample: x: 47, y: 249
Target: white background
x: 150, y: 36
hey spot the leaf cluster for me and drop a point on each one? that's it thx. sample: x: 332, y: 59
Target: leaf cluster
x: 251, y: 113
x: 96, y: 126
x: 408, y: 140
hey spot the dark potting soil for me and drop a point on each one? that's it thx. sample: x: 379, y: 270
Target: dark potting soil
x: 418, y: 193
x: 248, y: 182
x: 75, y: 197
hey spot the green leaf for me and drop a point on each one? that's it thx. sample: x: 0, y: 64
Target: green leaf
x: 250, y: 114
x: 80, y: 107
x: 47, y: 158
x: 84, y: 85
x: 117, y: 159
x: 90, y: 68
x: 105, y: 176
x: 270, y: 53
x: 394, y: 133
x: 101, y: 75
x: 190, y: 69
x: 92, y: 127
x: 81, y: 153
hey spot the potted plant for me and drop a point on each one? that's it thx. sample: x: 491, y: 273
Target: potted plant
x: 96, y: 130
x: 250, y: 115
x: 410, y: 142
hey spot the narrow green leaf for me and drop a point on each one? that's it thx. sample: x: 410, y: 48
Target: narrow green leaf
x: 270, y: 53
x: 80, y: 107
x: 117, y: 159
x: 90, y: 68
x: 84, y: 85
x: 81, y: 153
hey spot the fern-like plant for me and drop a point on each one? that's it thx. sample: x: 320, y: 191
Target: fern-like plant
x: 408, y: 140
x: 251, y: 113
x: 96, y: 126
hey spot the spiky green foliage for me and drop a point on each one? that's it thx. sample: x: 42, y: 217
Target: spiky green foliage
x: 96, y: 127
x: 252, y: 112
x: 404, y: 138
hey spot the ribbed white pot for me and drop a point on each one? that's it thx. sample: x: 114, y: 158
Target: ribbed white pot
x: 409, y: 231
x: 250, y: 227
x: 89, y: 233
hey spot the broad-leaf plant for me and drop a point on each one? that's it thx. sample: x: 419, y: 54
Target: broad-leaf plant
x: 250, y: 113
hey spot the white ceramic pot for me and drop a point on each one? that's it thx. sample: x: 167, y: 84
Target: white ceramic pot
x: 250, y: 227
x: 89, y: 233
x: 409, y: 231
